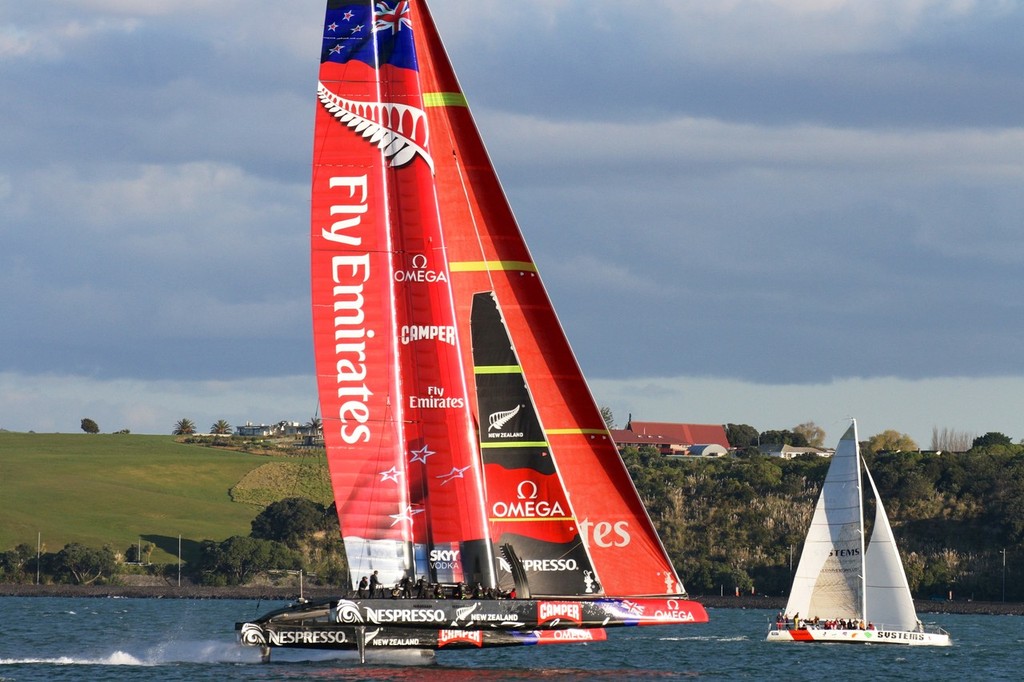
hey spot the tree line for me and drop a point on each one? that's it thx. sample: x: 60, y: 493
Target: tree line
x: 288, y: 535
x: 740, y: 522
x: 728, y: 523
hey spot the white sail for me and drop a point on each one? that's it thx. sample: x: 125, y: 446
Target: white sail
x: 888, y: 592
x: 828, y: 578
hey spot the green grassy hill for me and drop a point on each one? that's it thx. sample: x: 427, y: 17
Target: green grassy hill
x: 115, y: 489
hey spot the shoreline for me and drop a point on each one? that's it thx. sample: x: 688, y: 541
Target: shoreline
x: 271, y: 593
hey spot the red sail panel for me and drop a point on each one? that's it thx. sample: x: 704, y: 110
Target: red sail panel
x: 353, y: 334
x: 400, y: 441
x: 486, y: 252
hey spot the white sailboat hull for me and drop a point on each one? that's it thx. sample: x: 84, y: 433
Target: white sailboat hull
x: 905, y: 637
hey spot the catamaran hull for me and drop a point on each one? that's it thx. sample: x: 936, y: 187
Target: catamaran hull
x: 909, y: 638
x: 450, y: 624
x: 352, y: 637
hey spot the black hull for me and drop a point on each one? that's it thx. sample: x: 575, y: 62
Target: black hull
x: 354, y: 638
x: 366, y: 624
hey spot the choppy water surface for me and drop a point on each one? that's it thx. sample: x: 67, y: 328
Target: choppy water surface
x: 172, y: 639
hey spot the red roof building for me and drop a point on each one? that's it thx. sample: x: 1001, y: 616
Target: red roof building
x: 670, y: 438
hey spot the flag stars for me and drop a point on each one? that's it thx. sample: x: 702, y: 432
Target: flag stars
x: 347, y: 16
x: 357, y: 29
x: 391, y: 474
x: 332, y: 27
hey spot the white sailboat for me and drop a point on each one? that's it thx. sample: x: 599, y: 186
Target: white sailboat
x: 848, y: 589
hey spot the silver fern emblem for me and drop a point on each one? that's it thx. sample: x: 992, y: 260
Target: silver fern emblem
x: 252, y: 635
x: 347, y: 612
x: 497, y: 420
x: 398, y: 130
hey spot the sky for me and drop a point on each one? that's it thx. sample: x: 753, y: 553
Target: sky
x: 762, y: 212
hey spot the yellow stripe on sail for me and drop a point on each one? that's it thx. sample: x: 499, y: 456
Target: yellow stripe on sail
x: 516, y: 444
x: 498, y: 369
x: 577, y: 432
x: 444, y: 99
x: 486, y: 265
x: 500, y: 519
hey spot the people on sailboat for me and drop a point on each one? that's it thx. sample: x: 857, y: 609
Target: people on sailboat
x: 364, y: 587
x: 374, y: 585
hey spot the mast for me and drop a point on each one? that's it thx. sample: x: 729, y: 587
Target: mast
x: 863, y: 545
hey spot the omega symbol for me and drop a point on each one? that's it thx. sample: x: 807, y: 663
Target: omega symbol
x: 527, y: 486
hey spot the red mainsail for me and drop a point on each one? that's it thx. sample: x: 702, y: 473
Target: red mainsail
x: 410, y: 226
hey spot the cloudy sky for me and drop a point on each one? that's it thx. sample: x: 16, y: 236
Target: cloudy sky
x: 753, y: 211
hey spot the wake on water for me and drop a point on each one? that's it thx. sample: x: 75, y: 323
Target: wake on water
x: 170, y: 652
x: 222, y: 652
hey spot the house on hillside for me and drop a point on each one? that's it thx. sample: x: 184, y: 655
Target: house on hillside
x: 672, y: 439
x: 791, y: 451
x: 254, y: 430
x: 281, y: 428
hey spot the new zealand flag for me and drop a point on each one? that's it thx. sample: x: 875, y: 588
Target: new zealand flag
x: 375, y: 33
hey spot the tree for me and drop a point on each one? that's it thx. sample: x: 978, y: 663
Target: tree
x: 812, y: 433
x: 741, y: 435
x: 89, y: 426
x: 950, y: 440
x: 797, y: 440
x: 609, y: 418
x: 989, y: 439
x: 83, y: 565
x: 14, y: 563
x: 289, y: 521
x: 316, y: 427
x: 184, y: 427
x: 220, y: 428
x: 239, y: 559
x: 891, y: 441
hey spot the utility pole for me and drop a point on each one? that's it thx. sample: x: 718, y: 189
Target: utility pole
x: 1003, y: 552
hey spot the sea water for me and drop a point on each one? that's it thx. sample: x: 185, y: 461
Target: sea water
x: 47, y: 638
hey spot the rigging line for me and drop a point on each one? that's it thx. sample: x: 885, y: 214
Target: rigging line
x: 472, y: 214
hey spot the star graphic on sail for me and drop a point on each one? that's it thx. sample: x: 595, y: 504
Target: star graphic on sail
x: 391, y: 474
x: 456, y: 472
x: 405, y: 515
x: 421, y: 455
